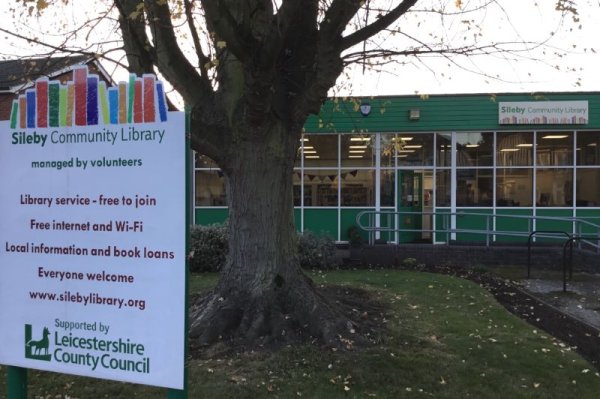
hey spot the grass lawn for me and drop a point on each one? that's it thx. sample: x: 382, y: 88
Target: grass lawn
x: 447, y: 338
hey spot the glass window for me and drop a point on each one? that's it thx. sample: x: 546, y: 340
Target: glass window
x: 514, y: 149
x: 320, y: 188
x: 554, y: 149
x: 320, y: 150
x: 588, y: 148
x: 514, y: 187
x: 444, y: 149
x: 588, y: 189
x: 475, y: 149
x: 414, y: 149
x: 387, y: 150
x: 409, y: 189
x: 554, y: 187
x: 358, y: 187
x: 474, y: 187
x: 357, y: 150
x: 388, y: 187
x: 442, y: 187
x: 210, y: 188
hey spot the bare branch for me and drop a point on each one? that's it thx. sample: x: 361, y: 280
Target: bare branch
x: 377, y: 26
x: 169, y: 58
x: 203, y: 60
x: 136, y: 43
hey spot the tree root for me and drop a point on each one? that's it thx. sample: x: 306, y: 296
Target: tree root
x: 299, y: 313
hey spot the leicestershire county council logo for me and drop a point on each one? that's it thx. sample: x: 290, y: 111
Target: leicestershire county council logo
x: 37, y: 349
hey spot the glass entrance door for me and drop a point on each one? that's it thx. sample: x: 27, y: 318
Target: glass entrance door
x: 410, y: 205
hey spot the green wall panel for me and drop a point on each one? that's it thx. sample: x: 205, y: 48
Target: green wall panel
x: 554, y: 225
x: 348, y: 219
x: 297, y: 218
x: 505, y: 222
x: 321, y: 221
x: 206, y: 216
x: 473, y: 222
x: 592, y: 216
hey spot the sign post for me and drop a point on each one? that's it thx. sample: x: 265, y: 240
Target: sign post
x: 93, y: 233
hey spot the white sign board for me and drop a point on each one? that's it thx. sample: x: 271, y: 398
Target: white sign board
x: 92, y: 232
x: 543, y: 112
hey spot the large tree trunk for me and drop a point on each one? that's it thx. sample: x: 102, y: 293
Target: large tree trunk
x: 262, y: 293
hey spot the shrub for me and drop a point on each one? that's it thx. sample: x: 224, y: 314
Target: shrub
x: 209, y: 245
x: 409, y: 262
x: 316, y: 252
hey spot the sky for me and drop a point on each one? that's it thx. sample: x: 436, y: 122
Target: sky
x: 576, y: 70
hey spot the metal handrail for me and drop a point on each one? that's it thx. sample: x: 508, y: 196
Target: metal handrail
x: 489, y: 232
x: 534, y: 233
x: 569, y: 242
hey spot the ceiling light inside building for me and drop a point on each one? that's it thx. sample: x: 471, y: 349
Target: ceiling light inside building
x: 555, y: 136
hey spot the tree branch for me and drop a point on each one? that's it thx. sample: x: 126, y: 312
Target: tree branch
x: 377, y: 26
x: 203, y: 60
x: 237, y: 37
x: 169, y: 58
x: 135, y: 41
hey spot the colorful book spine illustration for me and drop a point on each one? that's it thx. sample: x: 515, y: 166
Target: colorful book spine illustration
x: 149, y: 89
x: 88, y: 101
x: 63, y: 93
x: 113, y: 105
x: 92, y: 100
x: 53, y: 104
x: 30, y: 108
x: 102, y: 96
x: 80, y: 79
x: 138, y: 111
x: 41, y: 88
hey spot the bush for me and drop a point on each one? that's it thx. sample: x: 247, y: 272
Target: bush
x: 409, y: 262
x: 316, y: 252
x: 209, y: 245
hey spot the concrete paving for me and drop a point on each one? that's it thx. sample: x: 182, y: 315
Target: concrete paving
x: 581, y: 300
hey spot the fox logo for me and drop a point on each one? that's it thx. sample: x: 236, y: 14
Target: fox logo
x: 37, y: 349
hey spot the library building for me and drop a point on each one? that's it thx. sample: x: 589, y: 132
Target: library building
x: 472, y: 167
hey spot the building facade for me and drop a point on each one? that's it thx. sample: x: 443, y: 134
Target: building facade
x: 534, y: 157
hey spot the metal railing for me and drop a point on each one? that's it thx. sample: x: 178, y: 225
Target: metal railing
x: 537, y: 232
x: 569, y: 244
x: 587, y: 233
